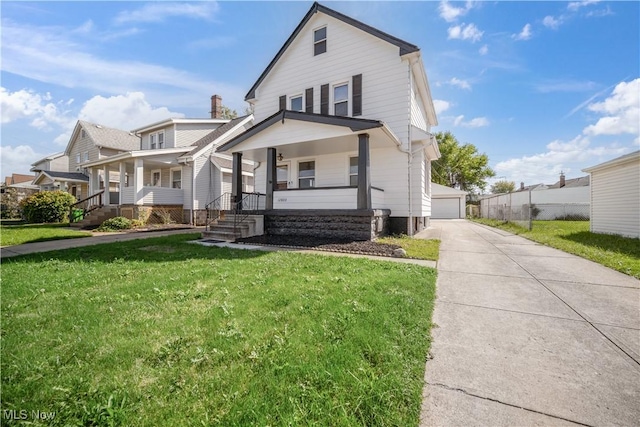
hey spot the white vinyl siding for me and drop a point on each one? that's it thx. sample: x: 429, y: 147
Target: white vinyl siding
x: 78, y: 149
x: 189, y: 133
x: 615, y: 200
x: 385, y: 86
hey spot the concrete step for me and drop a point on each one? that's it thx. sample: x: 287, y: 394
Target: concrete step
x: 220, y: 235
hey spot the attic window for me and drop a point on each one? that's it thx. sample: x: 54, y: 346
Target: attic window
x: 320, y: 41
x: 83, y: 133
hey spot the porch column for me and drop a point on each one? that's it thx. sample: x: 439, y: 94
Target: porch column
x: 123, y: 173
x: 106, y: 196
x: 94, y: 181
x: 364, y: 173
x: 271, y: 177
x: 236, y: 178
x: 138, y: 185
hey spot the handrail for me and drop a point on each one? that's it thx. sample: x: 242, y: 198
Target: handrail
x: 249, y: 204
x: 216, y: 207
x: 87, y: 205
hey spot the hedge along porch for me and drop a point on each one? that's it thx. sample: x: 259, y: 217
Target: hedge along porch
x: 316, y: 173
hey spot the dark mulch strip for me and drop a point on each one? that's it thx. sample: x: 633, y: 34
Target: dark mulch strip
x: 323, y: 244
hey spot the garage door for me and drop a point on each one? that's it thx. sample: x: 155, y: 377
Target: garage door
x: 445, y: 208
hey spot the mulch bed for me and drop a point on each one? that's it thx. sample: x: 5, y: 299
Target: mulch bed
x: 320, y: 244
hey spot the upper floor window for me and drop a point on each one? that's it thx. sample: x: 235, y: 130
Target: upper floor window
x: 320, y: 41
x: 161, y: 140
x: 341, y: 100
x: 296, y: 103
x: 83, y: 133
x: 152, y: 141
x: 86, y: 156
x: 78, y: 159
x: 156, y: 140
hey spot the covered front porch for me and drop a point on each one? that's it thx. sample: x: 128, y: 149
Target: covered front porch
x: 315, y: 172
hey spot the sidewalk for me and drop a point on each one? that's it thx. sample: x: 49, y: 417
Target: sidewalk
x: 529, y: 335
x: 98, y: 238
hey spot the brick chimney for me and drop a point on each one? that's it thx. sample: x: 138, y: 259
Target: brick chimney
x: 521, y: 186
x: 216, y: 107
x: 562, y: 181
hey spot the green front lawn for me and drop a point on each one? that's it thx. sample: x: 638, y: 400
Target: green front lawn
x: 28, y: 233
x: 165, y: 332
x: 616, y: 252
x: 416, y: 248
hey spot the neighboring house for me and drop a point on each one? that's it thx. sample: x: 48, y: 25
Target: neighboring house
x: 342, y: 140
x: 447, y: 202
x: 57, y: 162
x: 173, y: 169
x: 89, y: 142
x: 615, y: 196
x: 14, y: 189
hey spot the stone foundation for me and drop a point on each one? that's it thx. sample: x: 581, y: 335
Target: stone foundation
x: 350, y: 224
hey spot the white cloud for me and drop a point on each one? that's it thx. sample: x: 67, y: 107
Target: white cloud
x: 160, y: 11
x: 451, y: 13
x: 26, y: 104
x: 525, y: 34
x: 483, y: 50
x: 575, y: 5
x: 551, y: 22
x: 462, y: 84
x: 621, y: 110
x: 570, y: 157
x: 17, y: 159
x: 468, y: 32
x: 441, y: 105
x: 473, y: 123
x: 125, y: 112
x: 53, y: 55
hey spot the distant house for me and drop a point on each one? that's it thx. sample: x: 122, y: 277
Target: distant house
x: 615, y: 196
x: 342, y: 140
x: 447, y: 202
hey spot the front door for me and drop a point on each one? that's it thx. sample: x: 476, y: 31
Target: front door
x: 282, y: 176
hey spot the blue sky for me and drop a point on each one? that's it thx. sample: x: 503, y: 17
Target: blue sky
x: 539, y: 87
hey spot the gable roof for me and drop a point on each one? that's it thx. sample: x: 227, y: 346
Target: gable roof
x: 582, y: 181
x: 350, y: 122
x: 216, y: 134
x: 633, y: 156
x: 404, y: 47
x: 103, y: 136
x: 61, y: 176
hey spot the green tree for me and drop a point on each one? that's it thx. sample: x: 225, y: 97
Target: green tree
x: 460, y: 166
x: 503, y: 186
x: 47, y: 206
x: 228, y: 113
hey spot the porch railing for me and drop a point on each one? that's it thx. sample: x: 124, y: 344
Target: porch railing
x: 250, y: 204
x: 83, y: 207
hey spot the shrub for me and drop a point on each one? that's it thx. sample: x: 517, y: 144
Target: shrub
x: 47, y: 206
x: 135, y: 223
x: 115, y: 224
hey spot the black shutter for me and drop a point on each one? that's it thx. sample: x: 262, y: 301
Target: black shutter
x: 357, y: 95
x: 283, y: 102
x: 308, y: 95
x: 324, y: 99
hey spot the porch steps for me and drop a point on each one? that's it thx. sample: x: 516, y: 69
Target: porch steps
x: 96, y: 217
x: 223, y: 229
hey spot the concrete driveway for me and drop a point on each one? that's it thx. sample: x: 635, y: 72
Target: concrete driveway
x: 529, y: 335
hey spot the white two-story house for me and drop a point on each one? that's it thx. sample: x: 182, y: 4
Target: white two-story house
x: 173, y: 168
x: 342, y: 137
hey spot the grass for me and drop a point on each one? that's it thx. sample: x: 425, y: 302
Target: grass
x: 616, y: 252
x: 28, y: 233
x: 165, y: 332
x: 416, y: 248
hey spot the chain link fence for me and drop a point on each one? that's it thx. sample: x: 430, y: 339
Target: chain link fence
x: 521, y: 209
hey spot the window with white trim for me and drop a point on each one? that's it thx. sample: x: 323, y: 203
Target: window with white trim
x: 307, y: 174
x: 156, y: 178
x: 160, y: 139
x: 86, y: 156
x: 78, y: 159
x: 176, y: 178
x: 353, y: 171
x: 295, y: 103
x: 83, y: 133
x: 152, y: 141
x: 319, y: 41
x: 341, y: 100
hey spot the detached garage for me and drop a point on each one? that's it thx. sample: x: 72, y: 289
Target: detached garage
x: 615, y: 196
x: 447, y: 202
